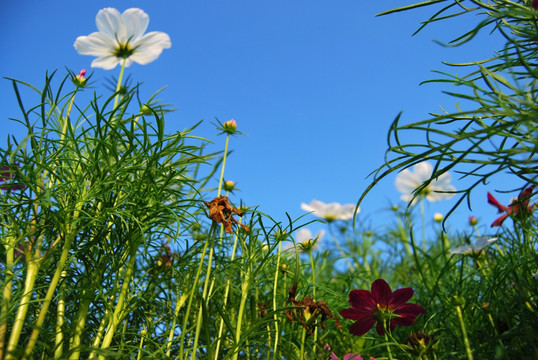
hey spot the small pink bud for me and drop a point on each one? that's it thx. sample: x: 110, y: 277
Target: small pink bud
x: 80, y: 79
x: 473, y: 220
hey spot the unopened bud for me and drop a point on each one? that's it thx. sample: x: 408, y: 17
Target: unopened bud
x: 438, y: 217
x: 473, y: 220
x: 229, y: 126
x: 80, y: 79
x: 229, y: 185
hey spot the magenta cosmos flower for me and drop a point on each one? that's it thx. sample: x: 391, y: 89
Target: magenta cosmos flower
x: 517, y: 206
x: 380, y: 305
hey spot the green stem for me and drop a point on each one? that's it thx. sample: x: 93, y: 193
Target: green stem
x: 245, y: 285
x: 180, y: 302
x: 275, y: 287
x: 226, y: 295
x: 118, y: 85
x: 31, y: 275
x: 313, y: 295
x: 193, y: 290
x: 6, y: 294
x: 223, y: 165
x: 60, y: 313
x: 464, y: 333
x: 387, y: 327
x: 118, y: 315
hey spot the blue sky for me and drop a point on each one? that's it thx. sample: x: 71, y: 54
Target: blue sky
x: 315, y: 85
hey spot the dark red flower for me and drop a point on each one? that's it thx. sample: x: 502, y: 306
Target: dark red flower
x: 517, y: 206
x: 535, y: 4
x: 380, y: 305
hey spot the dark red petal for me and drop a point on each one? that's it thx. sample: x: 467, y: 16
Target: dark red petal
x: 499, y: 220
x: 362, y: 299
x: 401, y: 296
x: 381, y: 292
x: 408, y: 312
x: 494, y: 202
x: 361, y: 327
x: 356, y: 314
x: 525, y: 196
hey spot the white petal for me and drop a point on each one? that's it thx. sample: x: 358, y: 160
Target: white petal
x: 150, y: 46
x: 110, y: 23
x: 423, y: 170
x: 303, y: 235
x: 96, y: 44
x: 106, y: 62
x: 136, y: 22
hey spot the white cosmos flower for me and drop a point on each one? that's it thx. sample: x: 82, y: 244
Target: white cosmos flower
x: 306, y: 241
x: 330, y: 212
x: 121, y: 36
x: 474, y: 249
x: 408, y: 181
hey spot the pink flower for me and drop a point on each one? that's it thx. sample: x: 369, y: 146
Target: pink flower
x: 517, y: 206
x: 380, y: 305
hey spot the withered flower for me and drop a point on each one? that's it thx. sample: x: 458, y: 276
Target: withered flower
x: 308, y: 310
x: 222, y: 212
x: 421, y: 343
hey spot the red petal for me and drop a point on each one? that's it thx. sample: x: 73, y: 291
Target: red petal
x: 361, y: 299
x: 361, y: 327
x: 499, y: 220
x: 401, y: 296
x: 379, y: 328
x: 525, y: 196
x: 381, y: 292
x: 356, y: 314
x: 407, y: 314
x: 494, y: 202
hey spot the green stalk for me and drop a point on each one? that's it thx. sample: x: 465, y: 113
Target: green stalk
x: 204, y: 299
x: 223, y: 164
x: 275, y: 287
x: 313, y: 295
x: 118, y: 85
x: 48, y: 298
x: 179, y: 305
x: 31, y: 275
x: 6, y: 296
x: 387, y: 327
x: 226, y: 295
x: 60, y: 313
x: 245, y: 285
x: 193, y: 289
x: 118, y: 315
x: 464, y: 333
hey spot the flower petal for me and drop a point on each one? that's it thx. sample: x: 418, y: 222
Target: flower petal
x: 136, y: 22
x: 381, y: 292
x: 110, y: 23
x: 400, y: 296
x: 499, y: 221
x: 407, y: 314
x: 362, y: 299
x: 352, y: 357
x: 150, y: 46
x: 95, y: 44
x: 106, y: 62
x: 497, y: 204
x: 356, y: 314
x: 361, y: 327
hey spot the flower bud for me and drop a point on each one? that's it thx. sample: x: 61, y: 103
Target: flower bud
x: 80, y: 79
x: 473, y: 220
x: 228, y: 185
x: 229, y: 126
x: 438, y: 217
